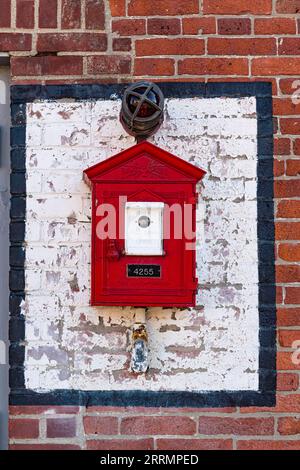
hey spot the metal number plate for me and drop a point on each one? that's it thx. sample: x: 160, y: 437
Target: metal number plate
x: 143, y: 270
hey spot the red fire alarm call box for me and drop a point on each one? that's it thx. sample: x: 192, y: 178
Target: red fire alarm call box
x: 143, y: 229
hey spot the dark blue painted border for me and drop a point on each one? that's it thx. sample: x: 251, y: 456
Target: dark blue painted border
x: 20, y: 95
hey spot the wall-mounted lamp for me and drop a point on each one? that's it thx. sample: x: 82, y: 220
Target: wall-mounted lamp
x: 142, y: 110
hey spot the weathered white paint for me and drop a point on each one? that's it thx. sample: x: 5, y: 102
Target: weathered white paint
x: 72, y: 345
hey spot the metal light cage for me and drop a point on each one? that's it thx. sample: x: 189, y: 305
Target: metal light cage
x: 142, y: 110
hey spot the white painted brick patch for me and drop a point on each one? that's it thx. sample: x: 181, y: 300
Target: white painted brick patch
x: 72, y: 345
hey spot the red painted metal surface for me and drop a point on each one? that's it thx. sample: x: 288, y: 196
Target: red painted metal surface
x: 143, y: 173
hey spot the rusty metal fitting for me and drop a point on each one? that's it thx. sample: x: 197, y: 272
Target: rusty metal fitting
x: 139, y: 354
x: 140, y: 332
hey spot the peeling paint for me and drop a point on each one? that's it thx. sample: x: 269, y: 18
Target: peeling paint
x: 72, y: 345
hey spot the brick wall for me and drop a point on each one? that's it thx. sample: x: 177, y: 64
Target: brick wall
x: 108, y: 428
x: 68, y: 41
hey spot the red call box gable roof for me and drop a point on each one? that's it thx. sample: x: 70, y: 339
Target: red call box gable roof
x: 150, y: 152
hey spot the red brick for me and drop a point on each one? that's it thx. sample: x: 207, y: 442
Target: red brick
x: 285, y: 362
x: 288, y: 6
x: 128, y: 27
x: 293, y: 169
x: 284, y: 404
x: 287, y: 230
x: 237, y: 46
x: 163, y: 26
x: 285, y: 107
x: 237, y: 7
x: 288, y: 86
x: 289, y: 46
x: 46, y: 65
x: 42, y: 81
x: 217, y: 66
x: 71, y: 42
x: 15, y: 42
x: 162, y: 7
x: 278, y: 168
x: 287, y: 382
x: 199, y: 410
x: 122, y: 409
x: 214, y: 79
x: 194, y: 444
x: 117, y: 7
x: 121, y: 44
x: 32, y: 410
x: 5, y: 15
x: 100, y: 425
x: 296, y: 147
x: 234, y: 26
x: 141, y: 425
x: 288, y: 209
x: 282, y: 146
x: 48, y: 14
x: 154, y: 410
x: 121, y: 444
x: 70, y: 14
x: 279, y: 295
x: 94, y: 14
x: 77, y: 81
x: 275, y: 66
x: 290, y: 188
x: 61, y: 427
x: 25, y: 14
x: 288, y: 316
x: 268, y: 445
x: 240, y: 426
x: 180, y: 46
x: 267, y: 26
x: 292, y: 294
x: 23, y: 428
x: 154, y: 67
x: 44, y: 447
x: 289, y: 426
x: 288, y: 273
x: 287, y: 337
x: 199, y: 25
x: 107, y: 65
